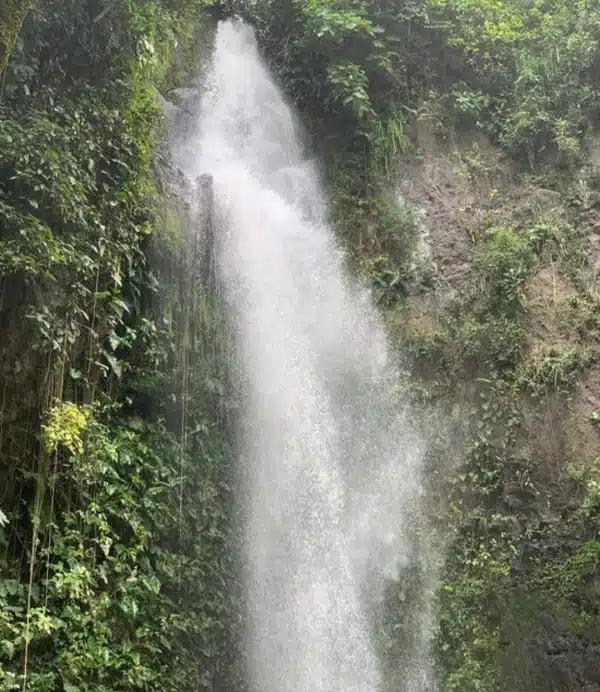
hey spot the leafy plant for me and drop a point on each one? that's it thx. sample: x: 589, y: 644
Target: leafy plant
x: 115, y: 571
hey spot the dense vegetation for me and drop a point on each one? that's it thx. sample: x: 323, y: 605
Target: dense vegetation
x: 115, y: 570
x: 518, y: 605
x: 115, y: 544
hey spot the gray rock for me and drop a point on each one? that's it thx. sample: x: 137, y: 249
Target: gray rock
x: 170, y: 110
x: 182, y: 96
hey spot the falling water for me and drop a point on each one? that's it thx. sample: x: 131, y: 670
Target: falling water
x: 329, y: 457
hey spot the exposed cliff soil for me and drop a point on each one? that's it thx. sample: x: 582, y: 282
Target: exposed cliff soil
x: 452, y: 185
x: 510, y: 332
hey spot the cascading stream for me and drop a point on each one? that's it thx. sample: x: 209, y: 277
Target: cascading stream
x: 329, y: 457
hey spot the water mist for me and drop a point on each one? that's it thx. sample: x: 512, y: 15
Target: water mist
x: 329, y: 456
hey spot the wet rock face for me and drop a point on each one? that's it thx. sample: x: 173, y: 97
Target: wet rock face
x: 184, y: 97
x: 170, y: 110
x: 179, y: 107
x: 444, y: 239
x: 449, y: 187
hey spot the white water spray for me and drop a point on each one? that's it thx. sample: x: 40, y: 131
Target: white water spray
x: 331, y: 466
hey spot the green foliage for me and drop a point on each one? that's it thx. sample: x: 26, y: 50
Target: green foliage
x: 554, y: 369
x: 114, y: 567
x: 503, y: 568
x: 470, y: 641
x: 490, y: 603
x: 349, y: 85
x: 380, y: 234
x: 506, y: 261
x: 500, y: 598
x: 477, y: 573
x: 66, y: 424
x: 522, y: 71
x: 342, y: 61
x: 389, y: 141
x: 12, y: 16
x: 531, y: 68
x: 591, y: 502
x: 118, y: 556
x: 471, y: 342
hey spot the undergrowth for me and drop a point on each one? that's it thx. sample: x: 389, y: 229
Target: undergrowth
x: 115, y: 565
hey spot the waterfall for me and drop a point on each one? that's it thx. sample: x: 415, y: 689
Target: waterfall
x: 328, y: 454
